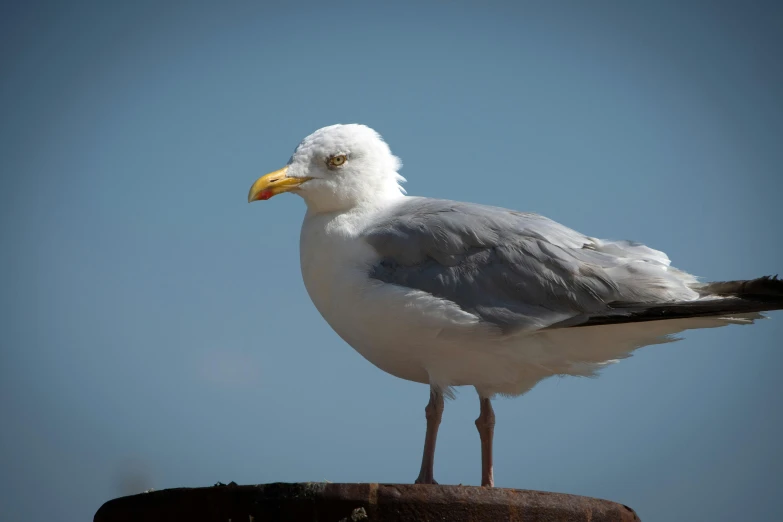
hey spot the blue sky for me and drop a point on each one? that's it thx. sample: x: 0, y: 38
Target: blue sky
x: 155, y: 329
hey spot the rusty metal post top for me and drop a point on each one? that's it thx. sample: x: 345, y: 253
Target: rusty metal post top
x: 370, y: 502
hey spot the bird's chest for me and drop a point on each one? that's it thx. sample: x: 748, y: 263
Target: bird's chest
x: 334, y: 265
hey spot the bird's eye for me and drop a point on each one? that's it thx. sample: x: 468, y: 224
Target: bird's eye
x: 336, y: 161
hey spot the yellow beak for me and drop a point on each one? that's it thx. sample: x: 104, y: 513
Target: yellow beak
x: 273, y: 184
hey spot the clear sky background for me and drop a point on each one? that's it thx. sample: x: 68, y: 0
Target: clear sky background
x: 155, y: 330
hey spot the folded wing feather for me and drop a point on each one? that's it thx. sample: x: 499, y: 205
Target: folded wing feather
x: 517, y: 270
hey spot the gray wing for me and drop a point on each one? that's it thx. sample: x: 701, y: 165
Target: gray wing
x: 513, y: 269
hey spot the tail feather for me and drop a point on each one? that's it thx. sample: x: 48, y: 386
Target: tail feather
x: 725, y: 298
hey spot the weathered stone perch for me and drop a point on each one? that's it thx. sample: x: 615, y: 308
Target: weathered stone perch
x: 327, y: 502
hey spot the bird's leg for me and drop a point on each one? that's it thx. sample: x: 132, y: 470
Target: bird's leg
x: 434, y: 412
x: 486, y: 428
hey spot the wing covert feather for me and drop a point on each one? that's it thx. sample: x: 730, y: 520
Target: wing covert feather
x: 516, y: 270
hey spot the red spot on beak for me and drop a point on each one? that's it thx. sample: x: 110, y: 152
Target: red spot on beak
x: 265, y: 195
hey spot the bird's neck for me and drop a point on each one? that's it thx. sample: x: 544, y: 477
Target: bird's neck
x: 371, y: 196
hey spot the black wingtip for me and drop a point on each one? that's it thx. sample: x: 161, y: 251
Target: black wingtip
x: 765, y: 287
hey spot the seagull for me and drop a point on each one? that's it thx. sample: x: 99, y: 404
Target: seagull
x: 449, y: 294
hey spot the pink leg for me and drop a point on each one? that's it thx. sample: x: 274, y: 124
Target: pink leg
x: 486, y: 428
x: 434, y: 412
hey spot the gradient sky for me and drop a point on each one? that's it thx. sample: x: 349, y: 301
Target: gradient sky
x: 155, y: 330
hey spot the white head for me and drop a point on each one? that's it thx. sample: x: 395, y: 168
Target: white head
x: 336, y: 168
